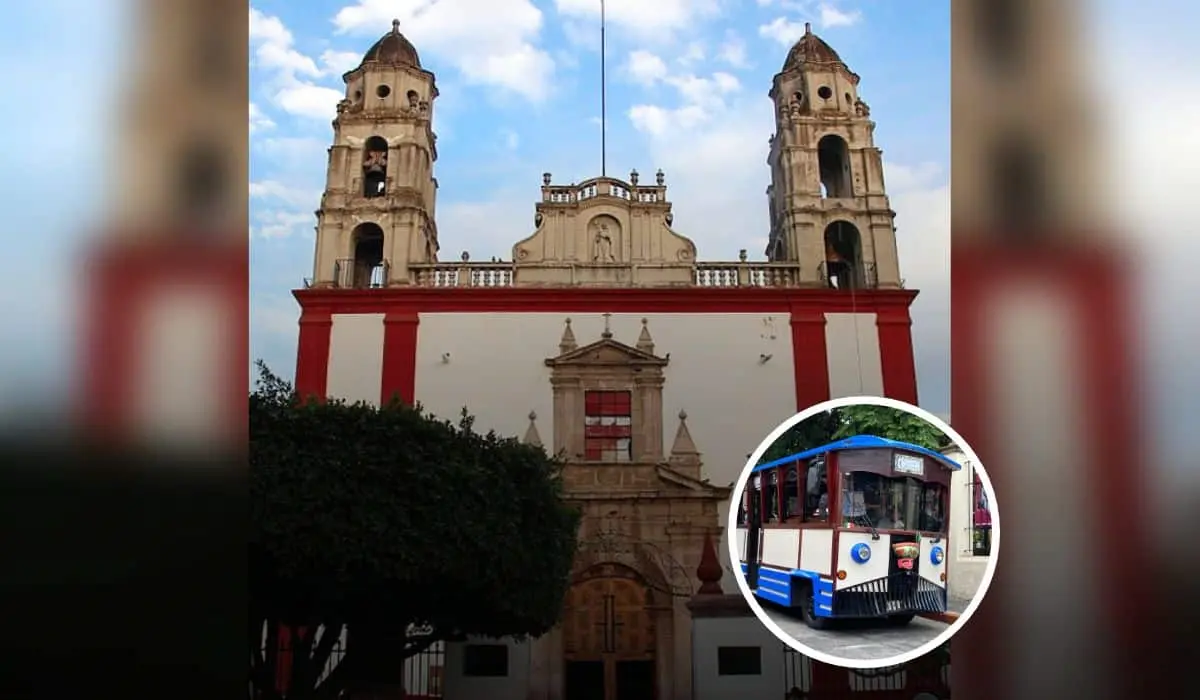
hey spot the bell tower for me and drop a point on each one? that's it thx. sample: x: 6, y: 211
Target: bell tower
x: 377, y: 212
x: 829, y: 209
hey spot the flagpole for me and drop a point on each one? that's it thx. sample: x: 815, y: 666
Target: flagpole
x: 603, y: 100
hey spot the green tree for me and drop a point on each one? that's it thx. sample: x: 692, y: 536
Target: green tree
x: 848, y: 421
x: 380, y: 520
x: 890, y: 423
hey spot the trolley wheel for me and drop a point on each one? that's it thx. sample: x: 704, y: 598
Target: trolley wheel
x: 808, y: 611
x: 900, y: 620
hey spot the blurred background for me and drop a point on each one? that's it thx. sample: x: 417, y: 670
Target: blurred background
x: 1073, y: 314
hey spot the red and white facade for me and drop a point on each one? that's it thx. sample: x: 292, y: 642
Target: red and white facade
x: 742, y: 359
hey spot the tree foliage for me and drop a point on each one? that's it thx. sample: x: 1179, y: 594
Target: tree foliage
x: 848, y: 421
x: 375, y: 519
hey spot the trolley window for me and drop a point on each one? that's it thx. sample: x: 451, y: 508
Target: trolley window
x: 792, y: 507
x: 816, y: 492
x: 771, y: 496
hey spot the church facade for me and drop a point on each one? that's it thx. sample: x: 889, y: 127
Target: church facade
x: 607, y: 340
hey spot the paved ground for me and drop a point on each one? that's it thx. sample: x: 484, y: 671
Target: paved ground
x: 861, y: 639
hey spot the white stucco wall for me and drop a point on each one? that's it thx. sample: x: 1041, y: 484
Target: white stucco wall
x: 709, y: 634
x: 355, y: 369
x: 514, y: 686
x: 855, y: 366
x: 493, y: 363
x: 497, y: 369
x: 178, y: 379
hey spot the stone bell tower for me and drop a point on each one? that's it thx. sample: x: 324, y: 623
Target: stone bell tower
x: 829, y: 209
x: 377, y: 213
x: 178, y: 164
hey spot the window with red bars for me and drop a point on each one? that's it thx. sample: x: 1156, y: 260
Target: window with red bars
x: 608, y: 426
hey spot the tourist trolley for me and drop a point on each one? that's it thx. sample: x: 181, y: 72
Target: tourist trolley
x: 873, y: 546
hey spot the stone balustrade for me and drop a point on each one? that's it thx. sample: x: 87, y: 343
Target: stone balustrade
x: 508, y: 274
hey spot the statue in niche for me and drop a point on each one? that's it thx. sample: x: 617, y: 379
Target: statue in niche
x: 602, y: 245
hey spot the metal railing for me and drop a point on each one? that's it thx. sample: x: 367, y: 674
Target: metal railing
x: 423, y: 672
x: 351, y: 274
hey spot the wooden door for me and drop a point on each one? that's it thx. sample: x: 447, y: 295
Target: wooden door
x: 609, y: 637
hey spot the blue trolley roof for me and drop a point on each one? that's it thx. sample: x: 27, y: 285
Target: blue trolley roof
x: 862, y: 442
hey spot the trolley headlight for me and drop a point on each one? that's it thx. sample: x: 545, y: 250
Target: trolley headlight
x: 937, y: 555
x: 860, y: 553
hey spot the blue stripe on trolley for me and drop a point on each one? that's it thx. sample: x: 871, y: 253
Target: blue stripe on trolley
x: 776, y: 585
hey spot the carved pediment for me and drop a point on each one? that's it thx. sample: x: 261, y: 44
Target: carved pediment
x: 606, y: 351
x: 604, y: 223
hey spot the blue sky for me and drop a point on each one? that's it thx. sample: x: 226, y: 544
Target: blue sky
x: 520, y: 95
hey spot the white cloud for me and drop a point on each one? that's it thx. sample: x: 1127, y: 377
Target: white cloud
x: 273, y: 189
x: 291, y: 80
x: 274, y: 47
x: 787, y: 30
x: 644, y: 18
x: 782, y: 30
x: 281, y: 223
x: 694, y: 53
x: 288, y: 211
x: 646, y: 68
x: 833, y: 17
x: 339, y: 62
x: 492, y: 42
x: 258, y: 120
x: 307, y: 100
x: 699, y: 97
x: 733, y: 51
x: 906, y: 178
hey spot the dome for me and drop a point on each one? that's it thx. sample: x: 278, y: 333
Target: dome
x: 811, y: 49
x: 393, y: 49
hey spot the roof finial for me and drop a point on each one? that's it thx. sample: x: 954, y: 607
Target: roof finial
x: 396, y: 26
x: 808, y: 28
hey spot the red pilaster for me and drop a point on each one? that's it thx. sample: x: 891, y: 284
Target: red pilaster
x: 810, y: 358
x: 312, y: 355
x: 1095, y: 286
x: 399, y: 357
x: 896, y: 354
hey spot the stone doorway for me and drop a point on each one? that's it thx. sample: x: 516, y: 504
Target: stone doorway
x: 609, y: 637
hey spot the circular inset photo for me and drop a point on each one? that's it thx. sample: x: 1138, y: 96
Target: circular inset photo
x: 866, y: 531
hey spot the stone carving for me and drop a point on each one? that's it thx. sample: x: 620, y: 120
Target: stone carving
x: 537, y: 220
x: 414, y: 101
x: 376, y: 161
x: 602, y: 250
x: 861, y: 108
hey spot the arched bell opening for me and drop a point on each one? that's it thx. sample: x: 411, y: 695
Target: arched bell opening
x: 833, y: 161
x: 843, y: 256
x: 367, y: 268
x: 375, y: 156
